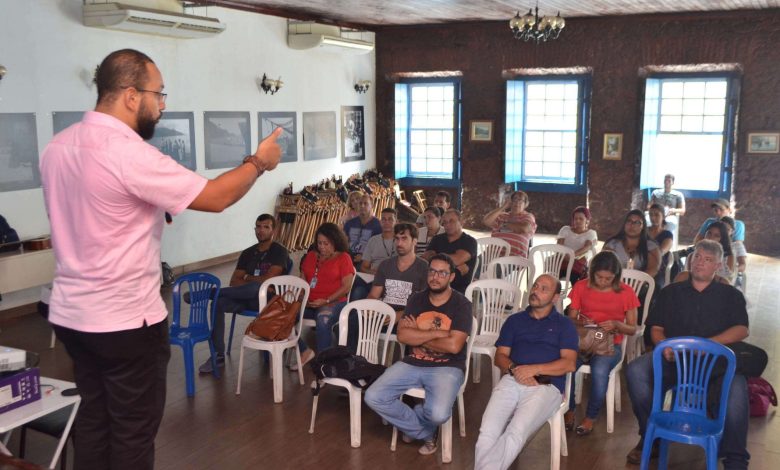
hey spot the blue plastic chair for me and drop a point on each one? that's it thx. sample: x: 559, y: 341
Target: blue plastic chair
x: 204, y: 290
x: 251, y: 313
x: 687, y: 422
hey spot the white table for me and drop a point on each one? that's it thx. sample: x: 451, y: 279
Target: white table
x: 51, y: 401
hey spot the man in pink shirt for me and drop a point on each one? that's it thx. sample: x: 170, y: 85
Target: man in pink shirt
x: 106, y: 191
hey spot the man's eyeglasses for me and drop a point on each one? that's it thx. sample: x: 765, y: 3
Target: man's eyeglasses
x: 633, y: 222
x: 160, y: 95
x: 439, y: 274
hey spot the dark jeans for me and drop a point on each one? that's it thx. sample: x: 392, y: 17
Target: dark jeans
x: 232, y: 300
x: 733, y: 445
x: 121, y: 379
x: 360, y: 289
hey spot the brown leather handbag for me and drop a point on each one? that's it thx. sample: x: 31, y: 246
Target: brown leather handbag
x: 276, y: 321
x: 594, y: 341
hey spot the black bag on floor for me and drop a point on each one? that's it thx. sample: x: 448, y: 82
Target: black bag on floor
x: 751, y: 360
x: 9, y: 239
x: 340, y: 362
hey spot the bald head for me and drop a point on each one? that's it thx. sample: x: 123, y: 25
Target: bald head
x: 544, y: 293
x: 119, y: 70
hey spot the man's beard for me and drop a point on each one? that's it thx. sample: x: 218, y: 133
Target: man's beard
x: 439, y: 290
x: 146, y: 123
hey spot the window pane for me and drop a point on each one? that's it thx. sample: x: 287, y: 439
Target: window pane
x: 430, y: 128
x: 534, y: 138
x: 713, y: 124
x: 716, y: 89
x: 671, y: 106
x: 694, y: 89
x: 555, y: 91
x: 713, y: 106
x: 691, y: 123
x: 433, y: 137
x: 691, y: 107
x: 419, y: 93
x: 536, y: 91
x: 670, y: 123
x: 672, y: 90
x: 435, y: 93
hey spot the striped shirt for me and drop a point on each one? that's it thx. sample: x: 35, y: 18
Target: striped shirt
x: 517, y: 241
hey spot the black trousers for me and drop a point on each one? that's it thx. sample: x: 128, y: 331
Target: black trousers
x: 121, y: 379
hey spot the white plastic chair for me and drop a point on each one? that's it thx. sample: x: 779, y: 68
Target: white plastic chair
x: 494, y: 296
x: 373, y: 315
x: 548, y: 259
x: 282, y: 284
x: 516, y: 270
x: 558, y: 444
x: 446, y: 428
x: 637, y: 280
x: 488, y: 249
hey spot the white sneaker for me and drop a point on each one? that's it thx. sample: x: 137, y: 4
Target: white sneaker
x: 429, y: 447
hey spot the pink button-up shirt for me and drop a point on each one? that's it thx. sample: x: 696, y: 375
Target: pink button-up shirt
x: 106, y: 191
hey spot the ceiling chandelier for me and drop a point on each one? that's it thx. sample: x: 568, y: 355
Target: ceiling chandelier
x: 532, y: 28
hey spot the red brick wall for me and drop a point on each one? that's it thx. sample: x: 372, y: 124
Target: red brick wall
x: 615, y: 48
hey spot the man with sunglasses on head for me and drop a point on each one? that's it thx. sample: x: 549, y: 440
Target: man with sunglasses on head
x: 256, y: 264
x: 435, y: 327
x: 106, y: 193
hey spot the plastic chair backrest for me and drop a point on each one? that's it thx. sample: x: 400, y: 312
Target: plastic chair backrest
x: 695, y: 359
x: 373, y: 315
x: 516, y: 270
x: 488, y: 249
x: 469, y: 347
x: 494, y: 296
x: 637, y: 280
x: 204, y: 291
x: 283, y: 284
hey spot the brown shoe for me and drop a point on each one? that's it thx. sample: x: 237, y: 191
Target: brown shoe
x: 634, y: 457
x: 568, y: 420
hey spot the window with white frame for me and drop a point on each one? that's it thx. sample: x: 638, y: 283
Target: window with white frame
x: 686, y: 131
x: 545, y: 129
x: 426, y: 129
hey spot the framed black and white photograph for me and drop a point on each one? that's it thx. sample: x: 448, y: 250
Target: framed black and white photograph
x: 353, y: 145
x: 613, y: 146
x: 764, y: 142
x: 288, y: 140
x: 61, y: 120
x: 18, y: 152
x: 227, y: 138
x: 175, y: 136
x: 319, y: 135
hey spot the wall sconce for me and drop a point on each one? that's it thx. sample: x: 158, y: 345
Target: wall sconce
x: 269, y: 85
x: 3, y: 71
x: 362, y: 86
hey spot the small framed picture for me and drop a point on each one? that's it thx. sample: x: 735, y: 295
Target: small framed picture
x: 613, y: 146
x: 764, y: 142
x: 352, y: 134
x: 481, y: 131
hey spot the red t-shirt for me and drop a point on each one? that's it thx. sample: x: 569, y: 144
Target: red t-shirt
x: 602, y: 306
x: 329, y: 274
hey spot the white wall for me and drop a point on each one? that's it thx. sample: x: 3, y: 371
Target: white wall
x: 50, y: 57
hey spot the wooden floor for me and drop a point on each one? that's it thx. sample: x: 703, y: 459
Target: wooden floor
x: 219, y: 430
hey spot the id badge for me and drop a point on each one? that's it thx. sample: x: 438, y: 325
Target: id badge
x: 313, y: 283
x: 257, y: 272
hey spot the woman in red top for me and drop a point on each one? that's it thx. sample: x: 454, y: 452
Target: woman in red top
x: 604, y: 300
x: 329, y: 271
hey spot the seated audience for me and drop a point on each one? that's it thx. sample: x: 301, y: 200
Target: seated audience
x: 440, y: 200
x: 402, y: 275
x: 737, y: 247
x: 361, y: 228
x: 255, y: 265
x: 328, y: 270
x: 431, y: 228
x: 717, y: 232
x: 579, y: 238
x: 380, y: 247
x: 353, y: 206
x: 603, y: 300
x: 459, y: 245
x: 696, y: 307
x: 664, y: 238
x: 632, y: 246
x: 435, y: 326
x: 671, y: 200
x: 721, y: 208
x: 535, y: 350
x: 513, y: 223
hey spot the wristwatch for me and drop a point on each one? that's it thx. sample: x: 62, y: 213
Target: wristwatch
x: 511, y: 369
x: 254, y: 161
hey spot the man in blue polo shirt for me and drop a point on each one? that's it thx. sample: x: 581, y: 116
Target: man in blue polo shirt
x: 536, y: 348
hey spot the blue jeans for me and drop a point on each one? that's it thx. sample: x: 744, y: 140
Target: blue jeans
x: 600, y: 367
x: 441, y: 385
x: 325, y: 316
x: 232, y: 300
x: 733, y: 445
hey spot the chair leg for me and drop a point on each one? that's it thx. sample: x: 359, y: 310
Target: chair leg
x: 53, y: 340
x: 617, y: 393
x: 446, y: 441
x: 461, y: 416
x: 240, y: 369
x: 355, y: 401
x: 230, y: 337
x: 314, y: 401
x: 555, y: 441
x: 611, y: 403
x: 189, y: 369
x: 712, y: 453
x: 564, y: 444
x: 496, y: 375
x: 647, y: 448
x: 475, y: 363
x: 276, y: 367
x: 579, y: 377
x: 300, y: 368
x: 22, y: 442
x: 394, y: 439
x: 663, y: 454
x: 391, y: 351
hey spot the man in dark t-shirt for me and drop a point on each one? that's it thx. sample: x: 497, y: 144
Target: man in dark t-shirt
x: 256, y: 264
x: 460, y: 246
x: 703, y: 307
x: 435, y: 326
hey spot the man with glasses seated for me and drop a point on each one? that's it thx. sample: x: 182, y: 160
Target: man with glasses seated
x: 435, y: 326
x: 256, y: 264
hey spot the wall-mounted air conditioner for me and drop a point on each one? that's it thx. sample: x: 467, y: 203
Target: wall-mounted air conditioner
x: 310, y: 35
x: 149, y: 21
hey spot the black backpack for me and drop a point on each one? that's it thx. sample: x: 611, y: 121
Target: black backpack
x: 8, y: 237
x: 340, y: 362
